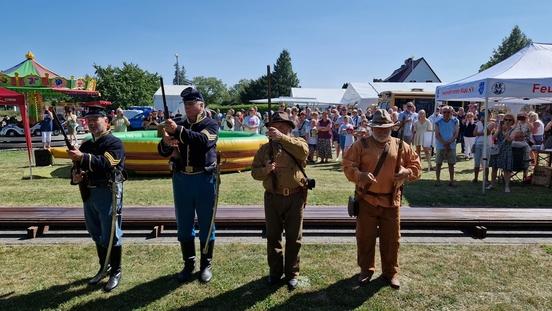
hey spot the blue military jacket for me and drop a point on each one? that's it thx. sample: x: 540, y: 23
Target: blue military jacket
x: 100, y: 157
x: 196, y: 144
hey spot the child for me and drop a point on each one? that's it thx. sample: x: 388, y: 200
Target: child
x: 312, y: 137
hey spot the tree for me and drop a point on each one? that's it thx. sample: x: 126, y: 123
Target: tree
x: 214, y: 91
x: 126, y: 86
x: 180, y: 75
x: 283, y: 78
x: 235, y: 91
x: 509, y: 46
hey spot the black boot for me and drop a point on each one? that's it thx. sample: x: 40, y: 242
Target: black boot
x: 102, y: 252
x: 189, y: 256
x: 115, y: 275
x: 205, y: 266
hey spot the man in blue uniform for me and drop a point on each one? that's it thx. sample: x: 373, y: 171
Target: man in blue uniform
x: 191, y: 144
x: 98, y: 169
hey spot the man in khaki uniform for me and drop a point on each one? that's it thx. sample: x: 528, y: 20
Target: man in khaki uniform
x: 285, y: 196
x: 379, y: 196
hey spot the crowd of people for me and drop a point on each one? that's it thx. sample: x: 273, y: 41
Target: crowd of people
x: 511, y: 146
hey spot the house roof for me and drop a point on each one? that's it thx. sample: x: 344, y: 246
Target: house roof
x: 400, y: 74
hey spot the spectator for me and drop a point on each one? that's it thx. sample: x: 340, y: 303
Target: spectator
x: 150, y: 122
x: 423, y: 132
x: 71, y: 122
x: 252, y: 122
x: 407, y: 118
x: 324, y: 145
x: 238, y: 121
x: 228, y: 122
x: 446, y: 132
x: 312, y: 138
x: 479, y: 142
x: 120, y: 123
x: 504, y: 159
x: 461, y: 116
x: 469, y: 137
x: 46, y: 128
x: 301, y: 126
x: 548, y: 135
x: 346, y: 130
x: 537, y: 128
x: 355, y: 119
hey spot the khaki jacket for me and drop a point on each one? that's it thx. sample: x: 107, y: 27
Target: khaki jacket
x: 360, y: 159
x: 288, y: 175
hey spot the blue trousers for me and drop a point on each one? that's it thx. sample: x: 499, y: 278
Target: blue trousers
x: 98, y: 216
x: 194, y: 194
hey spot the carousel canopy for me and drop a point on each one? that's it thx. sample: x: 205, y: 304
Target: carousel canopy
x: 30, y: 67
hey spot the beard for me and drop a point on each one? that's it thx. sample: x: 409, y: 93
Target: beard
x: 381, y: 136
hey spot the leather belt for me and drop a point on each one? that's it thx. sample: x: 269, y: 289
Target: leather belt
x: 192, y: 170
x: 376, y: 194
x: 287, y: 191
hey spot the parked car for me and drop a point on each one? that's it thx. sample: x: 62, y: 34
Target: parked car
x: 136, y: 122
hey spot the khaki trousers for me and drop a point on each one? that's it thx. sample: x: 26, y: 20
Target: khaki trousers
x: 371, y: 222
x: 284, y: 213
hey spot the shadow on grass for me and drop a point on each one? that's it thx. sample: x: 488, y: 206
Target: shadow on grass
x: 134, y: 298
x: 330, y: 166
x: 62, y: 172
x: 49, y: 298
x: 241, y: 298
x: 343, y: 295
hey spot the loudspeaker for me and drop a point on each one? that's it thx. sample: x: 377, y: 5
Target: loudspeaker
x: 43, y: 157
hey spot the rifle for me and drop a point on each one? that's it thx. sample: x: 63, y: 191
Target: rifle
x: 76, y: 165
x: 399, y: 156
x: 166, y: 114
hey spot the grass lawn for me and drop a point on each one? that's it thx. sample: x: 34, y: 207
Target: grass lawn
x: 51, y: 187
x: 489, y: 277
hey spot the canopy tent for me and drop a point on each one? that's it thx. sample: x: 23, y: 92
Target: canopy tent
x: 322, y: 96
x: 36, y: 82
x: 286, y: 100
x: 172, y: 94
x: 523, y: 78
x: 360, y: 94
x: 11, y: 98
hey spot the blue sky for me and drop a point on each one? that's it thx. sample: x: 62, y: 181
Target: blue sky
x: 330, y: 42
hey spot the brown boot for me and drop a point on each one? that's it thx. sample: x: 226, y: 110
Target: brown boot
x: 393, y: 281
x: 364, y: 277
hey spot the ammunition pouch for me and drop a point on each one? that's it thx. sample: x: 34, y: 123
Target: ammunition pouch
x: 310, y: 183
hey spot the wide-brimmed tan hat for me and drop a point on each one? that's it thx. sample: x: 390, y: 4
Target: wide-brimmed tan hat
x: 281, y: 117
x: 381, y: 118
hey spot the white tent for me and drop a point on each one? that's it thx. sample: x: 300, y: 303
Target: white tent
x: 322, y: 96
x: 360, y: 94
x: 525, y: 78
x: 174, y: 101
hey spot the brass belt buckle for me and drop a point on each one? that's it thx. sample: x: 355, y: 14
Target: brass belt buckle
x: 286, y: 192
x: 189, y: 169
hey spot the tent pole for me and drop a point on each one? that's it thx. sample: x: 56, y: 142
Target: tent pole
x: 485, y: 142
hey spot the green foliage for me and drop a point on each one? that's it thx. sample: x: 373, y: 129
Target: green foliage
x: 180, y: 75
x: 126, y: 86
x: 214, y: 91
x: 283, y: 79
x: 509, y: 46
x: 237, y: 89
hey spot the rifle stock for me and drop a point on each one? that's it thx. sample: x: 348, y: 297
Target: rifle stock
x: 399, y: 158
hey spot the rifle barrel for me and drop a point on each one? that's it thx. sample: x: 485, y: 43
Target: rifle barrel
x: 165, y: 107
x: 58, y: 124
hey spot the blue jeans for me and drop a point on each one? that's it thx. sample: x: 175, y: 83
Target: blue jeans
x: 98, y: 216
x: 194, y: 194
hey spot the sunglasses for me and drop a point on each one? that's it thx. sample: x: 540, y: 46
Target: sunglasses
x: 446, y: 111
x: 510, y: 120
